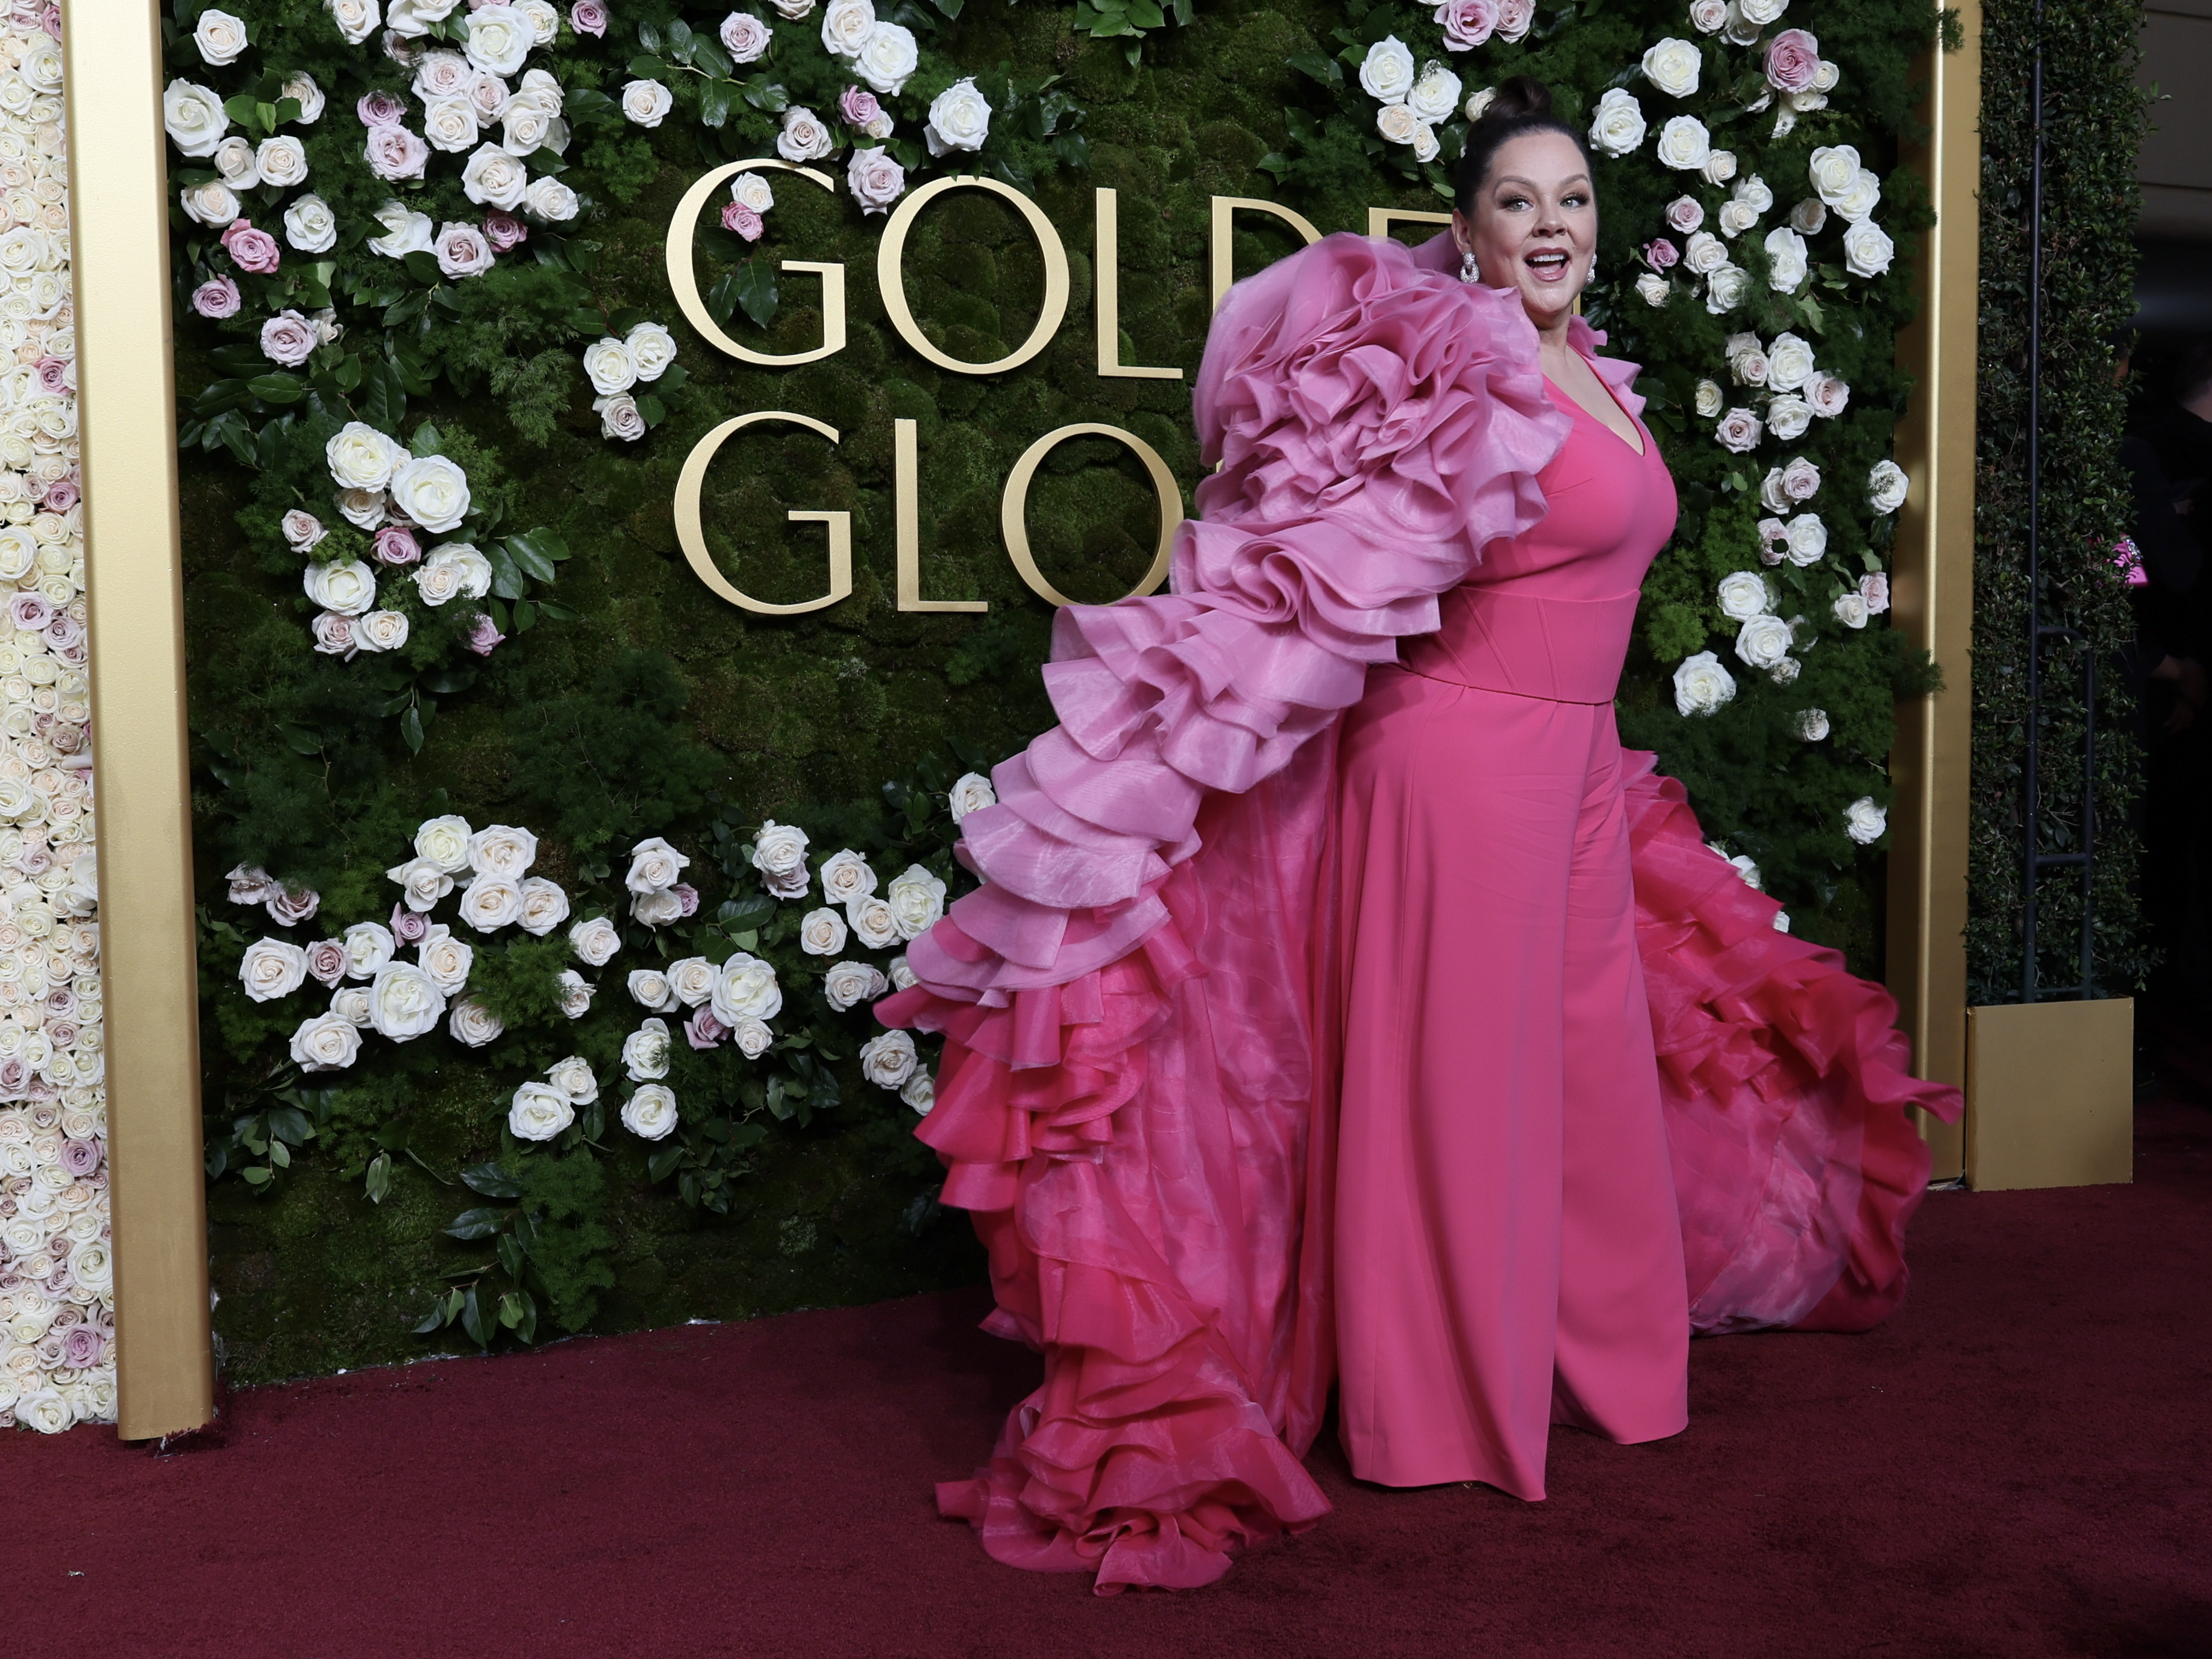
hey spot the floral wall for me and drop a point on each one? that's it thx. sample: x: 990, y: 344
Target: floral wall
x: 57, y: 1281
x: 544, y: 891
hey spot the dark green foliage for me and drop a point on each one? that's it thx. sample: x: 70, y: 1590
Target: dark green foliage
x: 2094, y: 121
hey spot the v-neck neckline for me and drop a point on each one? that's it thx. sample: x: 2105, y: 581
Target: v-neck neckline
x: 1640, y: 450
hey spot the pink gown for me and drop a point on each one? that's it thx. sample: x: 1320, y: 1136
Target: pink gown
x: 1204, y: 947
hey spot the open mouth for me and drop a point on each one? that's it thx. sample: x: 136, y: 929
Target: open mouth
x: 1549, y: 264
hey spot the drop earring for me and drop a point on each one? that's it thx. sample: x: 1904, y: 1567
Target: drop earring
x: 1468, y: 271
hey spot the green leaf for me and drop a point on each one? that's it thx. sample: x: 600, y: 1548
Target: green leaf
x: 491, y: 1181
x: 410, y: 729
x: 427, y: 440
x: 378, y: 1182
x: 554, y: 612
x: 473, y: 1321
x: 257, y: 1178
x: 526, y: 616
x: 510, y: 1309
x: 663, y: 1162
x: 424, y: 267
x: 433, y: 1320
x: 708, y: 59
x: 677, y: 39
x: 507, y: 579
x: 755, y: 291
x: 526, y: 554
x: 647, y: 69
x: 476, y: 1224
x: 747, y: 912
x: 768, y: 98
x: 714, y: 101
x: 277, y: 388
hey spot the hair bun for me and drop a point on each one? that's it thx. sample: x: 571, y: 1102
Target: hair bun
x: 1518, y: 98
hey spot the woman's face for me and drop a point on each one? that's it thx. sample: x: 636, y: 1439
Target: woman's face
x: 1535, y: 225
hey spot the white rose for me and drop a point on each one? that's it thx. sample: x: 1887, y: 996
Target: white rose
x: 543, y: 22
x: 349, y: 588
x: 361, y: 458
x: 887, y: 59
x: 423, y: 882
x: 219, y: 36
x: 1807, y: 539
x: 1865, y: 822
x: 1763, y: 641
x: 1774, y: 498
x: 646, y: 103
x: 650, y: 1113
x: 846, y: 877
x: 368, y: 946
x: 405, y: 232
x: 442, y: 75
x: 1886, y: 487
x: 649, y: 988
x: 210, y: 204
x: 462, y: 250
x: 1684, y: 144
x: 473, y: 1025
x: 283, y: 162
x: 1617, y: 128
x: 194, y: 118
x: 1867, y: 249
x: 235, y: 164
x: 609, y: 367
x: 752, y: 1037
x: 873, y: 922
x: 960, y: 118
x: 1672, y: 66
x: 1832, y: 171
x: 970, y: 793
x: 356, y: 19
x: 1652, y: 288
x: 1397, y: 123
x: 326, y: 1043
x: 1790, y: 362
x: 404, y: 1002
x: 310, y: 225
x: 1860, y: 197
x: 1850, y: 609
x: 916, y: 899
x: 1719, y: 166
x: 1435, y: 94
x: 1726, y: 288
x: 779, y: 855
x: 652, y: 348
x: 1702, y: 685
x: 1703, y: 253
x: 300, y: 87
x: 575, y: 994
x: 903, y: 977
x: 446, y: 959
x: 1708, y: 16
x: 272, y: 968
x: 450, y: 124
x: 1754, y: 194
x: 846, y: 25
x: 1811, y: 725
x: 746, y: 37
x: 619, y: 417
x: 1743, y: 595
x: 551, y: 200
x: 750, y: 189
x: 658, y: 910
x: 1739, y: 431
x: 888, y: 1061
x: 451, y: 570
x: 1828, y: 396
x: 381, y: 630
x: 746, y: 988
x: 920, y: 1091
x: 595, y: 941
x: 644, y: 1052
x: 432, y: 491
x: 1787, y: 416
x: 822, y: 932
x: 1786, y: 265
x: 350, y: 1003
x: 1387, y: 72
x: 445, y: 843
x: 489, y: 903
x: 1477, y: 102
x: 493, y: 177
x: 803, y: 137
x: 655, y: 866
x: 538, y: 1112
x: 1708, y: 399
x: 1736, y: 217
x: 500, y: 37
x: 410, y: 20
x: 544, y: 906
x: 848, y: 984
x: 526, y: 128
x: 1809, y: 215
x: 692, y: 980
x: 1785, y: 672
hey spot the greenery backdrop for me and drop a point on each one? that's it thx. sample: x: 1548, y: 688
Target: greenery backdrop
x: 628, y: 702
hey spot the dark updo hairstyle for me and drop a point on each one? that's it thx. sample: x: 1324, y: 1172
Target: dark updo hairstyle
x: 1524, y: 105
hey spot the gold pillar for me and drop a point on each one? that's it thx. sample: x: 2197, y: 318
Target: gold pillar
x: 127, y: 426
x: 1932, y: 590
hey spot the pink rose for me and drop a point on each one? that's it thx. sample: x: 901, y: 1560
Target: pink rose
x: 1684, y: 214
x: 1514, y: 17
x: 217, y: 299
x: 15, y: 1078
x: 84, y: 1344
x: 408, y: 926
x: 326, y: 961
x: 875, y: 179
x: 743, y: 220
x: 588, y: 17
x: 334, y: 634
x: 858, y: 107
x: 61, y: 1001
x: 31, y: 612
x: 287, y: 909
x: 1661, y: 254
x: 1793, y: 61
x: 1874, y: 588
x: 503, y: 230
x: 746, y: 37
x: 703, y: 1030
x: 301, y: 530
x: 380, y: 109
x: 462, y: 251
x: 288, y: 339
x: 50, y: 20
x: 396, y: 544
x: 255, y: 251
x: 53, y: 375
x: 483, y: 637
x: 61, y: 495
x: 1468, y: 23
x: 686, y: 896
x: 393, y: 152
x: 63, y: 631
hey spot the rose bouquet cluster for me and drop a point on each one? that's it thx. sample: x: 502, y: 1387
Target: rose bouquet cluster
x: 56, y: 1284
x: 615, y: 367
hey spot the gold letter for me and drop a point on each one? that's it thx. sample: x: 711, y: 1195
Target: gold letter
x: 1379, y: 219
x: 1223, y: 261
x: 684, y: 226
x: 1013, y: 511
x: 1106, y: 279
x: 906, y: 471
x: 892, y: 280
x: 692, y: 535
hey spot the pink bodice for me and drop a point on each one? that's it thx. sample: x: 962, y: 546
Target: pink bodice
x: 1547, y: 614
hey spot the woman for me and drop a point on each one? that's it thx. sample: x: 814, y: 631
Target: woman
x: 1223, y: 924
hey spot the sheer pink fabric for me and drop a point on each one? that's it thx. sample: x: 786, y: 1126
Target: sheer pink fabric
x: 1128, y: 1099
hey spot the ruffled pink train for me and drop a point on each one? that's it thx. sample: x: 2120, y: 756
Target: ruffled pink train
x: 1127, y: 1100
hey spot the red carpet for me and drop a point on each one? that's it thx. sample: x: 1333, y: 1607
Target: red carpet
x: 2020, y: 1462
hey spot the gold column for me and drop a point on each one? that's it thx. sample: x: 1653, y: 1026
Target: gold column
x: 126, y: 422
x: 1932, y: 579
